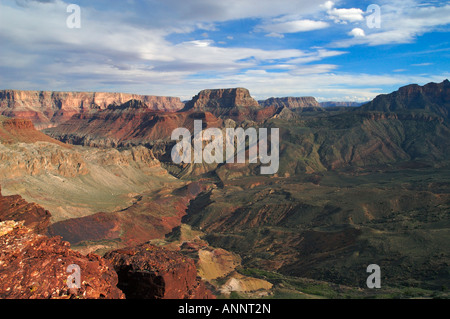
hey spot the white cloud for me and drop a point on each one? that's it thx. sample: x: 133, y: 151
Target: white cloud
x: 346, y: 15
x: 208, y: 11
x: 274, y: 35
x: 357, y: 32
x: 343, y: 15
x: 294, y: 26
x: 328, y: 5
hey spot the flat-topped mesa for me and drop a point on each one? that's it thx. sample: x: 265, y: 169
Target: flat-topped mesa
x: 48, y: 109
x: 222, y: 99
x: 290, y: 102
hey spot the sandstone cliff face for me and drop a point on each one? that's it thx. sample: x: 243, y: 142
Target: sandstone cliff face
x: 150, y: 272
x: 48, y: 109
x: 34, y: 266
x: 290, y: 102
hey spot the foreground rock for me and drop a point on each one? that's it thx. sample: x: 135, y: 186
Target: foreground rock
x: 150, y: 272
x: 34, y: 266
x: 16, y: 208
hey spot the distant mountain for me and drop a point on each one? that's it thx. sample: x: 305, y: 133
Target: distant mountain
x: 48, y: 109
x: 340, y: 104
x: 290, y: 102
x: 431, y: 98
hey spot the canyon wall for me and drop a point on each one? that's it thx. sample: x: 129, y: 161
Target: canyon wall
x: 48, y: 109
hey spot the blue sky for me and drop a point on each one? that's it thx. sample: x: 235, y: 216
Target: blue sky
x: 325, y: 49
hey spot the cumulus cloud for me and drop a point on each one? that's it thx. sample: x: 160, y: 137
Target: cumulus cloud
x: 343, y: 15
x: 346, y: 15
x: 357, y: 32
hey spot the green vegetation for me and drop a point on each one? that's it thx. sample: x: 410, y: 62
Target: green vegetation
x: 286, y: 287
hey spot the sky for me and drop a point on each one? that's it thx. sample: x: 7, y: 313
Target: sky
x: 332, y: 50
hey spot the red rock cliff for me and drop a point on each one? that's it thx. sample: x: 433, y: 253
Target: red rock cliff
x: 48, y: 109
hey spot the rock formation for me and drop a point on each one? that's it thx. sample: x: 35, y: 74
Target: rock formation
x: 222, y: 98
x: 150, y: 272
x: 290, y: 102
x: 48, y: 109
x: 34, y: 266
x: 22, y: 131
x: 235, y: 104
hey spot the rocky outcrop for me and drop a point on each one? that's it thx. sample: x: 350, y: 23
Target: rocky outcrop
x: 34, y: 266
x: 290, y: 102
x: 286, y: 114
x: 32, y: 215
x: 150, y: 272
x: 48, y: 109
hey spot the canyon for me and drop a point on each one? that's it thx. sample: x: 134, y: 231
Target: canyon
x: 356, y: 185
